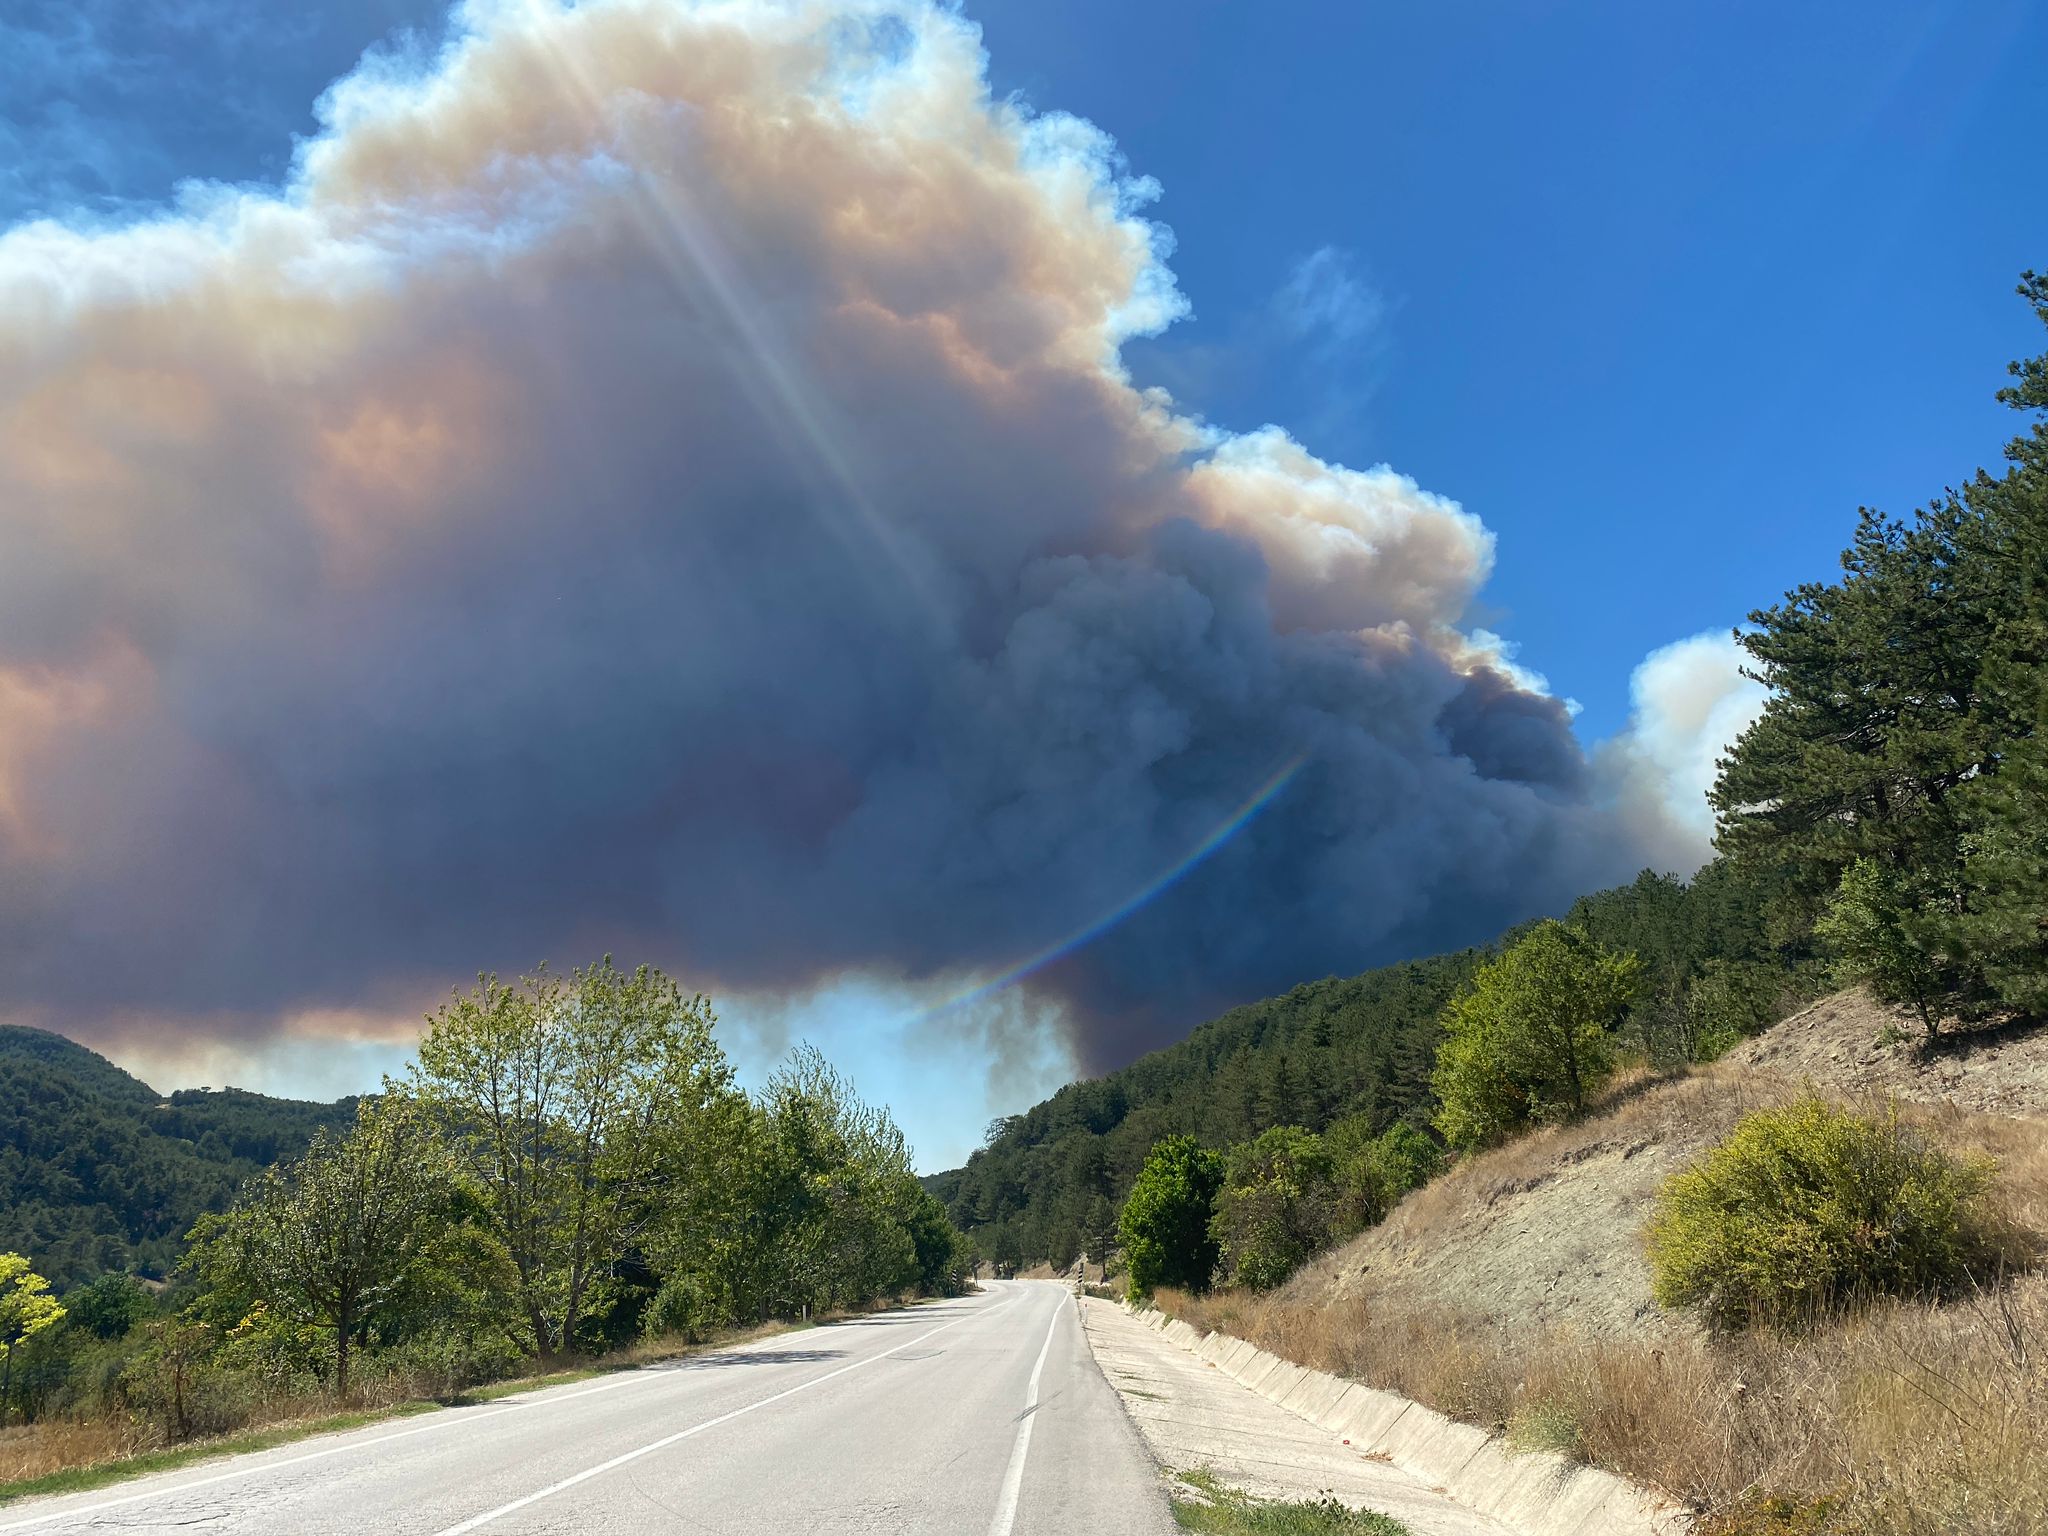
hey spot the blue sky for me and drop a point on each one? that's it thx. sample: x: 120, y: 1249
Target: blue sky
x: 1668, y: 291
x: 1659, y: 293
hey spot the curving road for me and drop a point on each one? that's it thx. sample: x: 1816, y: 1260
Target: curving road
x: 985, y: 1416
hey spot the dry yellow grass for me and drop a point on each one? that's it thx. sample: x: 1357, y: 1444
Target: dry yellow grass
x: 1928, y: 1419
x: 37, y: 1450
x: 1923, y: 1419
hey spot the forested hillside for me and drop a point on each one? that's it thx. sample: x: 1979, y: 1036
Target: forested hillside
x: 100, y: 1173
x: 1049, y: 1182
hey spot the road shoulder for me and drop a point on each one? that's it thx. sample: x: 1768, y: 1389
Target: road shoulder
x: 1192, y: 1417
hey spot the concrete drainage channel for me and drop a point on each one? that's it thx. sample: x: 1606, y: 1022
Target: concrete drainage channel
x: 1536, y: 1493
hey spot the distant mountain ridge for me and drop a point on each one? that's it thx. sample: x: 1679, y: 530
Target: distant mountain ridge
x: 1052, y: 1177
x: 100, y: 1172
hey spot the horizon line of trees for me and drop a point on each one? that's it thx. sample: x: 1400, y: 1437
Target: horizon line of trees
x: 568, y: 1166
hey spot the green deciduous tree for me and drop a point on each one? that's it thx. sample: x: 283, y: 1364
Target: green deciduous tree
x: 1277, y: 1206
x: 326, y: 1240
x: 941, y: 1254
x: 1373, y: 1172
x: 1164, y: 1228
x: 109, y: 1307
x: 1530, y: 1040
x: 817, y: 1206
x: 581, y: 1106
x: 26, y: 1309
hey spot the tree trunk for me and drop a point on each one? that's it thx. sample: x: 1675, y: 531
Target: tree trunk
x: 1571, y: 1068
x: 543, y: 1340
x: 571, y: 1312
x: 344, y: 1324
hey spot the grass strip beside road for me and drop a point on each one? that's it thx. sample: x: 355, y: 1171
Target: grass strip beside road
x: 172, y: 1458
x: 1224, y: 1511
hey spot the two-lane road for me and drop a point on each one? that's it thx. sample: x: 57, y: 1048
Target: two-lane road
x: 985, y: 1416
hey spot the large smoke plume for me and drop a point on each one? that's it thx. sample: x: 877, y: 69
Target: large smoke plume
x: 659, y: 478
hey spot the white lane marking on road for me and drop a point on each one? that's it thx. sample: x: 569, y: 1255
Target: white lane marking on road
x: 1013, y: 1475
x: 447, y: 1421
x: 268, y: 1466
x: 476, y: 1522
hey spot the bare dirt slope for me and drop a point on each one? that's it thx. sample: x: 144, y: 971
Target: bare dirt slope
x: 1852, y: 1043
x: 1545, y: 1232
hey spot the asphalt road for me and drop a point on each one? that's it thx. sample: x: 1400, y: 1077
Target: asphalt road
x: 985, y: 1416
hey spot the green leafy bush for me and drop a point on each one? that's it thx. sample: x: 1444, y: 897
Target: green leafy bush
x: 444, y: 1363
x: 688, y: 1306
x: 1277, y: 1207
x: 1374, y: 1172
x: 1531, y: 1040
x: 1810, y: 1207
x: 1165, y: 1223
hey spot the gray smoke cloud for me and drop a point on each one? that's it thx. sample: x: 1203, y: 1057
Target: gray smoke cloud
x: 658, y: 478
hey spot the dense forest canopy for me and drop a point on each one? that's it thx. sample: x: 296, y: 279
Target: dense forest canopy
x: 1344, y: 1048
x: 101, y: 1173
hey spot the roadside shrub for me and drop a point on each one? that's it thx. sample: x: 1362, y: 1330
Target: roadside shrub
x: 687, y: 1307
x: 1547, y: 1425
x: 1277, y: 1206
x: 1165, y: 1223
x: 1401, y: 1158
x: 1531, y: 1039
x: 1373, y: 1171
x: 443, y: 1364
x: 1767, y: 1515
x: 1807, y: 1208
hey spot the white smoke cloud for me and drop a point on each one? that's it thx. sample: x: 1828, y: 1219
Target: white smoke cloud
x: 1690, y: 702
x: 659, y: 477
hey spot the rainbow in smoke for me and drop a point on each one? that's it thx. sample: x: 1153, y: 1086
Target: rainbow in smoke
x: 1225, y: 830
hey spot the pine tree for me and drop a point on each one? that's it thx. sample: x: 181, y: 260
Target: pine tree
x: 2005, y: 927
x: 1900, y: 698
